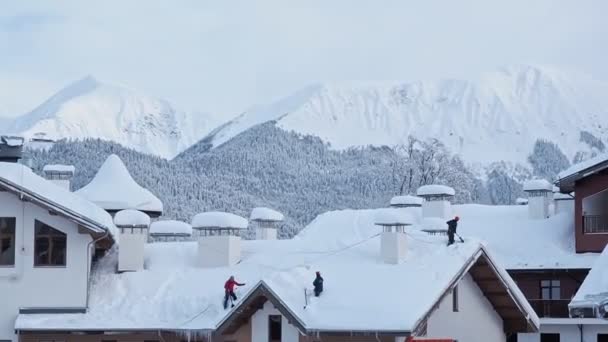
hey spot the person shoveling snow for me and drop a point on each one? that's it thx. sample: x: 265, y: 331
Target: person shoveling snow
x: 318, y: 284
x: 229, y: 290
x: 452, y: 224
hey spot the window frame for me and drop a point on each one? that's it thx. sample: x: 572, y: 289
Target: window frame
x: 270, y: 324
x: 455, y: 303
x: 14, y: 241
x: 551, y: 285
x: 49, y: 236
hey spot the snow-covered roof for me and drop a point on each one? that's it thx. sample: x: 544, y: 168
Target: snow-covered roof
x: 538, y: 185
x: 12, y: 141
x: 131, y: 218
x: 219, y: 219
x: 582, y: 166
x: 170, y: 227
x: 392, y: 217
x: 521, y: 200
x: 58, y: 168
x: 266, y: 214
x: 19, y: 178
x: 174, y: 293
x: 406, y: 200
x: 114, y: 189
x: 594, y: 290
x: 435, y: 190
x: 561, y: 197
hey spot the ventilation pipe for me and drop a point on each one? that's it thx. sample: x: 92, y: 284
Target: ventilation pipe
x: 393, y: 243
x: 437, y: 200
x: 219, y: 243
x: 267, y: 221
x: 540, y: 196
x: 133, y: 226
x: 59, y: 174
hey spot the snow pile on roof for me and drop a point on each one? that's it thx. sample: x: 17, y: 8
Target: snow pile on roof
x: 434, y: 190
x: 131, y: 218
x: 538, y: 185
x: 170, y: 227
x: 521, y: 201
x: 21, y: 177
x: 113, y: 188
x: 58, y: 168
x: 594, y: 289
x: 515, y: 239
x: 392, y: 217
x: 175, y: 294
x: 406, y: 200
x: 218, y: 219
x: 582, y: 166
x: 265, y: 214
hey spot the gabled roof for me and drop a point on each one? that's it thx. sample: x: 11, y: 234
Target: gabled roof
x: 114, y: 189
x: 568, y: 177
x: 593, y: 293
x: 21, y: 181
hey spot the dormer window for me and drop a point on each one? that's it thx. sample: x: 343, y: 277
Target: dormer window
x: 50, y: 246
x: 7, y: 241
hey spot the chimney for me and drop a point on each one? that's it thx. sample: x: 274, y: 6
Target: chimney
x: 133, y: 226
x: 267, y: 221
x: 170, y: 230
x: 564, y: 203
x: 59, y: 174
x: 219, y: 244
x: 406, y: 201
x: 436, y: 200
x: 11, y: 148
x: 393, y: 244
x: 540, y: 195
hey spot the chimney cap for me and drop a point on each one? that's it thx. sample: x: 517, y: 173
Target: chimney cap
x: 266, y: 215
x: 392, y: 217
x: 170, y: 228
x: 58, y: 168
x: 538, y: 185
x: 432, y: 190
x: 218, y: 220
x: 407, y: 200
x: 131, y: 218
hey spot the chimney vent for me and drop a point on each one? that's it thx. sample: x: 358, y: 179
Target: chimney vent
x: 133, y: 226
x: 406, y: 201
x: 267, y: 221
x: 436, y: 200
x: 564, y: 203
x: 59, y: 174
x: 393, y: 244
x: 219, y: 244
x: 540, y: 195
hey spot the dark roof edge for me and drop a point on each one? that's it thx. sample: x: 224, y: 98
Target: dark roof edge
x: 58, y: 310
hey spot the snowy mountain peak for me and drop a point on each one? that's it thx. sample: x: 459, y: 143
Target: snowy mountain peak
x: 499, y: 116
x: 88, y: 108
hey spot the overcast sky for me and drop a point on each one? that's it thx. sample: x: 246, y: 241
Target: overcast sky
x: 225, y: 56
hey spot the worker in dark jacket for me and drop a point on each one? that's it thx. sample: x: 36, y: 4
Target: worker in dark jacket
x: 452, y: 224
x: 318, y: 284
x: 229, y: 290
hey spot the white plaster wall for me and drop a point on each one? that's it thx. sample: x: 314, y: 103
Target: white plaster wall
x: 442, y: 209
x: 27, y: 286
x: 259, y: 326
x: 131, y: 250
x: 392, y: 247
x: 219, y: 251
x: 476, y: 320
x: 568, y: 333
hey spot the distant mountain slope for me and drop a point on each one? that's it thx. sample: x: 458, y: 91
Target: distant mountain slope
x: 495, y: 118
x: 91, y: 109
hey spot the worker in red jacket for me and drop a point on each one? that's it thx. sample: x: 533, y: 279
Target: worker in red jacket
x: 229, y: 290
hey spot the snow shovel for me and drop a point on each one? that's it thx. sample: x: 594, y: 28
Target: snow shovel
x: 461, y: 239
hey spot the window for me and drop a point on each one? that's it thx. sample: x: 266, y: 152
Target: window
x: 512, y: 337
x: 7, y: 241
x: 550, y: 289
x: 50, y: 245
x: 549, y: 338
x: 455, y: 299
x: 274, y: 328
x: 602, y: 337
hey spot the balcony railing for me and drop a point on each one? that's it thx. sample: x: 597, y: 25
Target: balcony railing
x: 557, y: 308
x: 595, y: 224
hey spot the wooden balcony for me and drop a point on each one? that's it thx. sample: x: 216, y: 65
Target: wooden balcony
x: 556, y: 308
x: 595, y: 224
